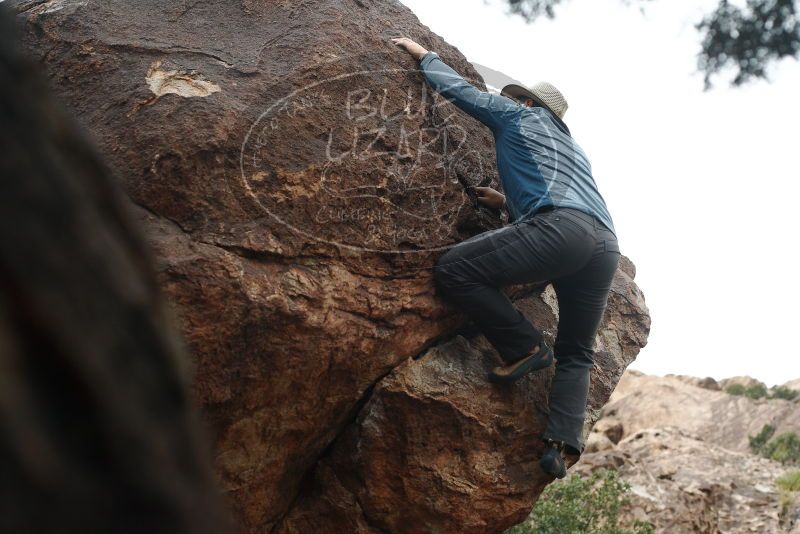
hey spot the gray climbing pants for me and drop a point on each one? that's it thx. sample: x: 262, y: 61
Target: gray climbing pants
x: 572, y: 250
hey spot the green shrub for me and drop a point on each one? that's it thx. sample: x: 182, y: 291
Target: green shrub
x: 756, y: 392
x: 785, y: 504
x: 578, y: 505
x: 758, y: 441
x: 759, y: 391
x: 790, y: 481
x: 781, y: 392
x: 784, y: 448
x: 787, y: 485
x: 735, y: 389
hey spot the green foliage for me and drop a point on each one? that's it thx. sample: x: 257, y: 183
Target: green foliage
x: 578, y: 505
x: 735, y: 389
x: 790, y: 481
x: 787, y: 485
x: 784, y: 448
x: 782, y: 392
x: 531, y: 10
x: 756, y: 391
x: 746, y: 39
x: 759, y: 391
x: 785, y: 503
x: 758, y: 441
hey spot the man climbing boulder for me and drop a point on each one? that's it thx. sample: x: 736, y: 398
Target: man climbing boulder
x: 560, y: 232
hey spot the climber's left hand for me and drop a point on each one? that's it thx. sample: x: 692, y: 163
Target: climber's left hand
x: 416, y: 51
x: 489, y: 197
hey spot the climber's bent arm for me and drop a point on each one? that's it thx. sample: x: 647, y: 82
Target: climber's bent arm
x: 492, y: 110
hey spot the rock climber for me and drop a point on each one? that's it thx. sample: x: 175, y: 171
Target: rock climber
x: 560, y: 231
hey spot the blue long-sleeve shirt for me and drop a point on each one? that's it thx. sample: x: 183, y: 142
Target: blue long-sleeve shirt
x: 538, y: 161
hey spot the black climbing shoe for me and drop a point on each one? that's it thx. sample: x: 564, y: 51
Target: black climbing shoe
x: 513, y: 371
x: 551, y: 461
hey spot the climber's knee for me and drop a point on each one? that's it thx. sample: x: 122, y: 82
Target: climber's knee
x: 444, y: 274
x: 443, y: 278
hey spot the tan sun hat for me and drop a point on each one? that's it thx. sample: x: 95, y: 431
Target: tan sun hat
x: 542, y: 93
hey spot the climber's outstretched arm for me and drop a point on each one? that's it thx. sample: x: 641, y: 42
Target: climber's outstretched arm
x: 493, y: 110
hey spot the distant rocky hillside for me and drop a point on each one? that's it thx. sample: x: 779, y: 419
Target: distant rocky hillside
x: 682, y: 443
x: 697, y: 405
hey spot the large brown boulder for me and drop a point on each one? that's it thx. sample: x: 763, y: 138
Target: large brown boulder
x: 438, y: 449
x: 297, y: 180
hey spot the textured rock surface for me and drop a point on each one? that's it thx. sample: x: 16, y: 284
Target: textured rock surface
x: 792, y: 384
x: 644, y: 401
x: 297, y: 180
x: 690, y: 468
x: 706, y: 382
x: 438, y: 449
x: 681, y: 483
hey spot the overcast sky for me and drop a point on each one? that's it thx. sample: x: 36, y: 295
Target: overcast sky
x: 702, y: 186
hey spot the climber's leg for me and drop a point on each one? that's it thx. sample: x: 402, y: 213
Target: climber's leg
x: 471, y: 273
x: 582, y: 300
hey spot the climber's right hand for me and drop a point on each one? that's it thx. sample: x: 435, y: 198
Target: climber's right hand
x: 416, y: 51
x: 489, y: 197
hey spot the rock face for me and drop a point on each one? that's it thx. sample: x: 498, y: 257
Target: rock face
x: 643, y: 401
x: 297, y: 180
x: 681, y: 483
x: 691, y: 469
x: 438, y: 449
x: 792, y: 384
x: 706, y: 382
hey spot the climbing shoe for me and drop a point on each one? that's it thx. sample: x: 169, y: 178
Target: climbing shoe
x: 530, y: 362
x: 551, y: 461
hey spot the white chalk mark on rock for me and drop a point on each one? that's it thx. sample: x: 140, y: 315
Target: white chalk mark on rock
x: 178, y: 82
x: 52, y: 6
